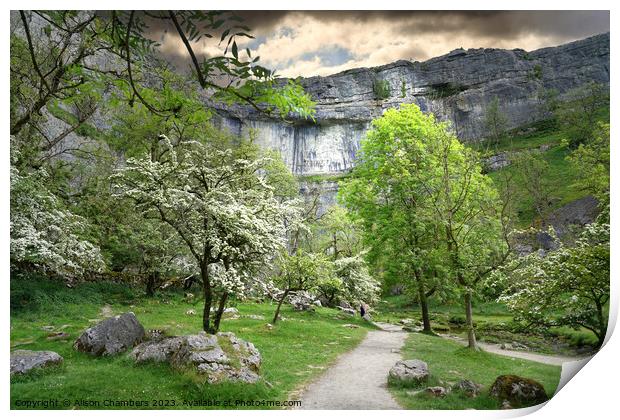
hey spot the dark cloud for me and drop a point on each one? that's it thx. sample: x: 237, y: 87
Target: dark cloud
x: 501, y: 24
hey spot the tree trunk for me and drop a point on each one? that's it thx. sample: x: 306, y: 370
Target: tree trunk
x: 284, y: 295
x: 426, y: 321
x: 208, y: 295
x: 469, y: 319
x: 151, y: 283
x: 220, y: 311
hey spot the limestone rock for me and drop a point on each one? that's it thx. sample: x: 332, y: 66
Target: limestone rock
x: 469, y: 388
x: 111, y: 336
x: 219, y: 357
x: 157, y: 350
x: 23, y: 361
x: 518, y: 391
x: 456, y: 87
x: 408, y: 372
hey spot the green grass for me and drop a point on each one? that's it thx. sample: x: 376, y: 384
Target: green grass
x: 294, y: 352
x: 450, y: 362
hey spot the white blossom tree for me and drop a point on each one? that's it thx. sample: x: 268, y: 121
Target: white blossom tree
x: 567, y: 287
x: 46, y: 235
x: 218, y: 200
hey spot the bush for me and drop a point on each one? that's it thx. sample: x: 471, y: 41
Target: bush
x: 381, y: 88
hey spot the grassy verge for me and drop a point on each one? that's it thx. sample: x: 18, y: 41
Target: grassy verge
x: 294, y: 352
x: 450, y: 362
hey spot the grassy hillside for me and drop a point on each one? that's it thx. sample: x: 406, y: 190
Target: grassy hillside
x: 560, y: 176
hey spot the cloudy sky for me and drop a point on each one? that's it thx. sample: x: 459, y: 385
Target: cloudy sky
x: 298, y: 43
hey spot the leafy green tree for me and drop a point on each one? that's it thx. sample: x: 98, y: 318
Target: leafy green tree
x: 218, y: 202
x: 386, y: 193
x: 301, y: 272
x: 580, y: 111
x: 427, y: 209
x: 592, y: 163
x: 567, y: 287
x: 495, y: 121
x: 533, y: 171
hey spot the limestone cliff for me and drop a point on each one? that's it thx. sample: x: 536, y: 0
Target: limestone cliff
x: 456, y: 87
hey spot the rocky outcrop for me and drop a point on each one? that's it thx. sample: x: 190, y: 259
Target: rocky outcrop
x: 219, y: 357
x: 111, y: 336
x: 518, y: 391
x: 456, y: 87
x: 24, y: 361
x: 408, y: 372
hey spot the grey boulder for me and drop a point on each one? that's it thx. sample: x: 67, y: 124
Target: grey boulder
x: 111, y: 336
x: 408, y: 372
x: 23, y: 361
x: 518, y: 391
x: 217, y: 357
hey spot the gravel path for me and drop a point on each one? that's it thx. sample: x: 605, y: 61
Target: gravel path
x: 358, y: 380
x: 556, y: 360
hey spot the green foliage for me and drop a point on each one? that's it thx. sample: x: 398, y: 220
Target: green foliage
x: 403, y: 88
x: 427, y: 211
x: 381, y: 88
x: 591, y: 161
x: 532, y: 171
x: 495, y: 121
x: 536, y: 73
x: 580, y: 110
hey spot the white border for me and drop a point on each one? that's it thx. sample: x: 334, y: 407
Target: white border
x: 592, y: 394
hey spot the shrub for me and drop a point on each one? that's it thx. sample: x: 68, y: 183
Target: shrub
x: 381, y: 88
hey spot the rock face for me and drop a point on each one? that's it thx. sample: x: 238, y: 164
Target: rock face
x: 456, y: 87
x: 408, y: 372
x: 518, y: 391
x: 23, y: 361
x: 111, y: 336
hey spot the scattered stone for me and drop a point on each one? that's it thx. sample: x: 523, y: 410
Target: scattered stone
x: 408, y: 372
x: 469, y: 388
x: 317, y: 303
x: 58, y: 336
x: 436, y: 391
x: 157, y: 350
x: 269, y: 326
x: 493, y: 163
x: 348, y: 311
x: 231, y: 311
x: 406, y: 321
x: 395, y: 350
x: 189, y: 296
x: 218, y: 357
x: 256, y: 316
x: 23, y: 361
x: 518, y: 390
x: 111, y: 336
x: 190, y: 312
x: 48, y: 328
x: 350, y: 326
